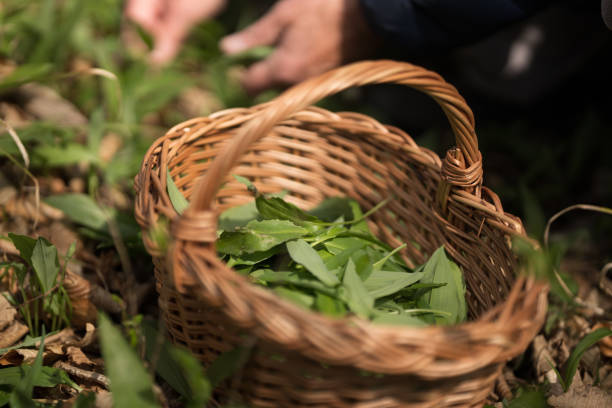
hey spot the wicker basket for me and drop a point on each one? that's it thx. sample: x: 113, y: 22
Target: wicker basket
x: 301, y: 358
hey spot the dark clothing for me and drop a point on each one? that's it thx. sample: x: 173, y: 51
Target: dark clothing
x: 422, y: 26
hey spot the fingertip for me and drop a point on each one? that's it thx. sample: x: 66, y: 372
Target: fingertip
x: 258, y: 78
x: 233, y: 44
x: 164, y: 52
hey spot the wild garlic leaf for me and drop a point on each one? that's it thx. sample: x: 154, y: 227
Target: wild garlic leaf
x: 393, y: 319
x: 337, y: 245
x: 253, y: 258
x: 291, y: 278
x: 178, y: 200
x: 238, y: 216
x: 329, y: 305
x: 341, y: 258
x: 361, y: 226
x: 331, y: 209
x: 45, y: 263
x: 275, y: 208
x: 24, y: 244
x: 258, y: 236
x: 384, y: 283
x: 354, y: 293
x: 450, y: 297
x: 363, y: 264
x: 305, y: 255
x: 298, y: 297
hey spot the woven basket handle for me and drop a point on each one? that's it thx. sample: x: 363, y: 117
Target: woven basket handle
x: 459, y: 162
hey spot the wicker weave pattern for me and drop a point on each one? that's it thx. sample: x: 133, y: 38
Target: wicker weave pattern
x: 313, y: 153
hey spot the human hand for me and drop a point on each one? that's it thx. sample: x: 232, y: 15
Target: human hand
x: 310, y: 37
x: 169, y: 21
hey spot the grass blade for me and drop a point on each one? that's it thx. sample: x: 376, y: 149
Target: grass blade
x: 572, y: 362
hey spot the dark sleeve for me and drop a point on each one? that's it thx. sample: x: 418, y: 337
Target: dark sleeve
x: 419, y: 26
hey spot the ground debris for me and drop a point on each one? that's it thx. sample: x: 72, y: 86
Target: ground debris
x: 581, y: 395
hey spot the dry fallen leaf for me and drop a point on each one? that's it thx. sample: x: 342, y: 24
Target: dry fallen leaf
x: 86, y: 299
x: 27, y: 356
x: 581, y: 396
x: 11, y: 330
x: 46, y: 104
x: 77, y: 357
x: 605, y: 344
x: 7, y: 313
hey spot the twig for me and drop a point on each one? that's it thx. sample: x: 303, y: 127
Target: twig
x: 586, y: 207
x: 84, y: 374
x: 604, y: 282
x: 17, y: 140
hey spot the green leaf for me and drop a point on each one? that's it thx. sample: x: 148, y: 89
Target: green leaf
x: 363, y: 263
x: 403, y: 319
x: 275, y: 208
x: 341, y: 258
x: 528, y: 398
x: 46, y: 377
x: 178, y: 200
x: 24, y: 74
x: 329, y: 305
x: 28, y: 342
x: 250, y: 186
x: 361, y: 226
x: 254, y: 258
x: 258, y: 236
x: 72, y: 153
x: 131, y: 385
x: 22, y: 393
x: 418, y: 290
x: 179, y: 368
x: 45, y: 263
x: 238, y: 216
x: 199, y: 386
x: 305, y: 255
x: 378, y: 265
x: 333, y: 208
x: 291, y: 278
x: 4, y: 398
x: 572, y: 362
x: 298, y: 297
x: 354, y: 293
x: 85, y: 400
x: 350, y: 238
x: 338, y: 245
x: 25, y: 245
x: 384, y: 283
x: 80, y: 208
x: 451, y: 297
x: 227, y: 364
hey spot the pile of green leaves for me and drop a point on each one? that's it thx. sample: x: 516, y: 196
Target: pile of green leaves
x: 329, y: 261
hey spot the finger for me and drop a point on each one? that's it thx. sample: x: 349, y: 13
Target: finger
x: 168, y: 40
x: 258, y: 77
x: 281, y: 68
x: 265, y: 31
x: 145, y: 13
